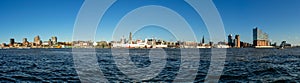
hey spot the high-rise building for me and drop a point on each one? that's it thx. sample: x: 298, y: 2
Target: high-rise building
x: 37, y: 41
x: 25, y: 41
x: 260, y: 38
x: 130, y: 38
x: 203, y: 40
x: 54, y: 40
x: 12, y: 42
x: 230, y: 40
x: 237, y: 41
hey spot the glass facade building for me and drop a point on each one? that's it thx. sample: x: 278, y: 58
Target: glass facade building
x: 260, y: 38
x: 259, y: 34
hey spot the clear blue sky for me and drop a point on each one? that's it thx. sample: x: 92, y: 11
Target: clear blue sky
x: 28, y: 18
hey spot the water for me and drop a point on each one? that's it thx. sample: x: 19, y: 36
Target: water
x: 241, y: 65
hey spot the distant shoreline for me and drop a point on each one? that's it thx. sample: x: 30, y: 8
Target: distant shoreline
x: 153, y: 48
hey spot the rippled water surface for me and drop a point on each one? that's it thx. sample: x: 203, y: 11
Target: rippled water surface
x: 241, y: 65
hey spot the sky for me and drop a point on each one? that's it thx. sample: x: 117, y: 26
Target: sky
x: 28, y: 18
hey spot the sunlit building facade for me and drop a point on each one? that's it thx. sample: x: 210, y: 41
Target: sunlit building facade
x: 37, y: 41
x: 237, y: 41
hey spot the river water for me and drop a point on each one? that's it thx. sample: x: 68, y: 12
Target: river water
x: 241, y: 65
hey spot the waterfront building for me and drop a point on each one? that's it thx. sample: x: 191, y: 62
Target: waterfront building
x: 284, y: 44
x: 230, y: 40
x: 150, y: 41
x: 3, y: 45
x: 139, y: 41
x: 211, y: 43
x: 274, y: 44
x: 189, y: 44
x: 123, y: 40
x: 103, y: 44
x: 245, y: 44
x: 12, y: 42
x: 222, y: 43
x: 260, y: 38
x: 54, y: 40
x: 50, y: 42
x: 178, y: 44
x: 171, y: 44
x: 237, y: 41
x: 130, y: 38
x: 159, y: 42
x: 37, y: 41
x: 25, y: 42
x: 17, y: 44
x: 203, y: 40
x: 45, y: 43
x: 83, y: 44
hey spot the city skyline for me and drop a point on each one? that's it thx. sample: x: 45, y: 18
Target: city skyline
x: 26, y: 19
x: 260, y: 40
